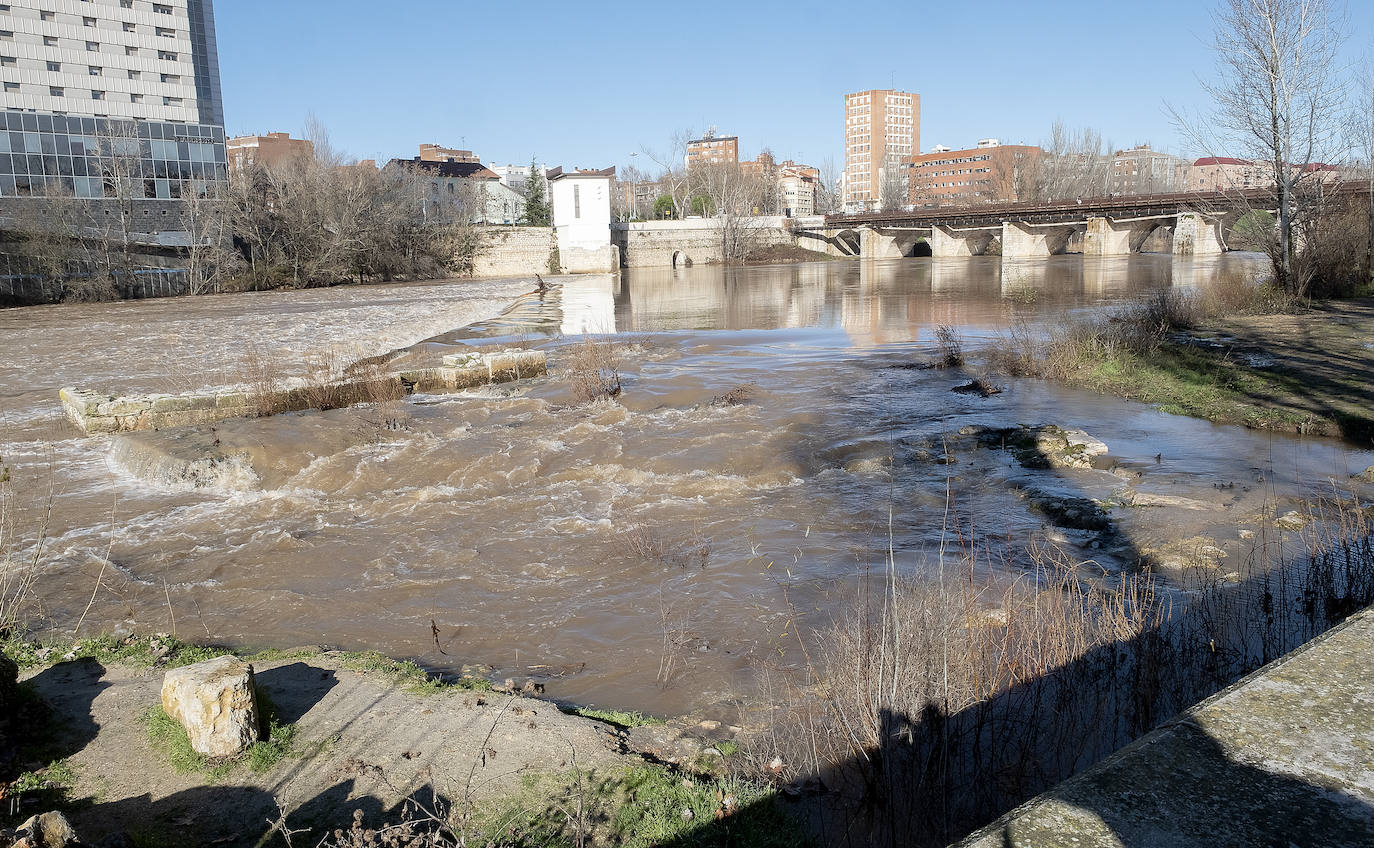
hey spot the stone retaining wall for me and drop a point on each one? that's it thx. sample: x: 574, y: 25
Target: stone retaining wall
x: 95, y: 412
x: 645, y: 244
x: 513, y: 252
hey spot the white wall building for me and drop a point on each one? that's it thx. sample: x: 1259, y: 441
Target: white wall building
x: 143, y: 59
x: 582, y: 219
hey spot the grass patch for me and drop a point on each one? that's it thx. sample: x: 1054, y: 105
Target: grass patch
x: 638, y: 808
x: 409, y: 676
x: 619, y: 718
x: 1183, y: 379
x: 145, y: 651
x: 48, y: 787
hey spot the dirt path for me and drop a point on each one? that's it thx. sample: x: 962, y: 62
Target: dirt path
x: 1322, y: 361
x: 362, y: 743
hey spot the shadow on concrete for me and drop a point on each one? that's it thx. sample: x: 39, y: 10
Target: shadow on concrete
x: 295, y: 688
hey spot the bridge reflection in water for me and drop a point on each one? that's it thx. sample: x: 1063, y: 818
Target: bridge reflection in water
x: 874, y: 302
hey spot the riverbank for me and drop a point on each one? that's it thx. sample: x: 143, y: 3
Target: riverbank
x: 358, y: 732
x: 1304, y: 372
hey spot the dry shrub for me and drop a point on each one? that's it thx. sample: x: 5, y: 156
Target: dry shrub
x: 738, y: 396
x: 946, y: 702
x: 19, y: 567
x: 951, y: 346
x: 692, y: 549
x: 1016, y: 351
x: 593, y: 371
x: 264, y: 379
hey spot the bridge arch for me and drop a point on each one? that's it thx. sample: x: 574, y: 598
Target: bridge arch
x: 681, y: 259
x: 849, y: 242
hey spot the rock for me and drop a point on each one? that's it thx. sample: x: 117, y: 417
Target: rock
x: 1152, y: 499
x: 1200, y: 552
x: 1247, y: 534
x: 1367, y: 475
x: 1291, y: 520
x: 49, y: 830
x: 215, y: 701
x: 1046, y: 447
x: 664, y: 743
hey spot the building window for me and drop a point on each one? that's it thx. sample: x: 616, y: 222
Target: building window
x: 11, y: 86
x: 128, y: 27
x: 161, y: 9
x: 7, y: 61
x: 135, y: 74
x: 90, y: 22
x: 167, y: 54
x: 8, y: 35
x: 48, y: 40
x: 172, y: 78
x: 56, y: 91
x: 96, y: 71
x: 93, y: 46
x: 47, y: 16
x: 126, y: 4
x: 166, y: 32
x: 577, y: 201
x: 130, y: 51
x: 54, y: 66
x: 97, y: 95
x: 171, y: 101
x: 135, y: 98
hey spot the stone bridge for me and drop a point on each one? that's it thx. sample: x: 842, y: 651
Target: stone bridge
x: 1191, y: 224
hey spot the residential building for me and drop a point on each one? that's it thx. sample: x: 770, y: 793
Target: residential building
x: 1224, y: 173
x: 712, y: 149
x: 452, y: 186
x: 517, y: 177
x: 634, y: 199
x: 1141, y: 170
x: 143, y: 74
x: 797, y: 188
x: 882, y: 127
x: 582, y: 218
x: 270, y: 149
x: 435, y: 153
x: 989, y: 172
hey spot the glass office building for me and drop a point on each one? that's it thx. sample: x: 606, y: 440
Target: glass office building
x: 91, y: 157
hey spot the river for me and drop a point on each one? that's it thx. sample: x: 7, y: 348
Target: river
x: 655, y: 553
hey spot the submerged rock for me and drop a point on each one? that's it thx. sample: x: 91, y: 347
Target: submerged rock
x: 1048, y: 446
x: 1072, y: 513
x: 1198, y: 552
x: 1291, y: 520
x: 216, y: 703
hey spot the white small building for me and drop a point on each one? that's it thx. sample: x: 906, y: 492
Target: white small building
x: 582, y: 219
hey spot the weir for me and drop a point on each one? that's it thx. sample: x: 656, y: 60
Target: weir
x: 95, y: 412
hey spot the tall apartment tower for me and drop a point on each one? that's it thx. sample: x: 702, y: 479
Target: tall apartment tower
x: 74, y: 70
x: 881, y: 128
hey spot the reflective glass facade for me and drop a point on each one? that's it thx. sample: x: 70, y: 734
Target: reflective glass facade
x: 41, y: 153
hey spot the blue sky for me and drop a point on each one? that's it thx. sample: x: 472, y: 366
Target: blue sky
x: 586, y: 84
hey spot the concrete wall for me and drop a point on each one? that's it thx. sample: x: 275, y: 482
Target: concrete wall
x: 514, y: 252
x: 647, y: 244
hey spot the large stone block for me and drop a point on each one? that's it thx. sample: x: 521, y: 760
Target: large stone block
x: 214, y: 700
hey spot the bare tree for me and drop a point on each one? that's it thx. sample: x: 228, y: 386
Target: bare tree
x: 206, y: 219
x: 1277, y: 96
x: 1361, y: 130
x: 113, y: 223
x: 828, y: 200
x: 894, y: 190
x: 1072, y: 164
x: 673, y: 170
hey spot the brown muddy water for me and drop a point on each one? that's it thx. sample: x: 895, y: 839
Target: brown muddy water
x: 654, y: 553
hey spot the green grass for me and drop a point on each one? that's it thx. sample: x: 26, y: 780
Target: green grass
x: 144, y: 651
x: 619, y: 718
x: 1186, y: 380
x: 638, y: 808
x: 50, y: 786
x: 168, y: 736
x: 409, y: 676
